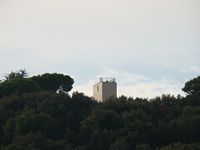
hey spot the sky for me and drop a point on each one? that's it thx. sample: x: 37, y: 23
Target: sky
x: 151, y: 47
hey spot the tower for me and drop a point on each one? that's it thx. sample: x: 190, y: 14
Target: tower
x: 104, y: 89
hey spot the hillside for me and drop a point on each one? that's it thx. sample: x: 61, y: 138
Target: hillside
x: 46, y: 120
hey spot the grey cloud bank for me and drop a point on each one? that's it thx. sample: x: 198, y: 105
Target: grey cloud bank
x: 158, y: 40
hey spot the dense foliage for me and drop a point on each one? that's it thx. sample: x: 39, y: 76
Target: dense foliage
x: 19, y: 83
x: 46, y: 120
x: 192, y: 86
x: 54, y: 81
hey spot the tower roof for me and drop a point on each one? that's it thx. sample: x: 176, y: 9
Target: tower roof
x: 106, y: 79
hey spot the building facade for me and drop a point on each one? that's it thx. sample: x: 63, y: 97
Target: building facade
x: 105, y: 89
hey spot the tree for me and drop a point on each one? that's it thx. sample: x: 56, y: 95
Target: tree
x: 18, y: 86
x: 35, y: 141
x: 182, y: 146
x: 143, y: 147
x: 19, y: 83
x: 120, y: 144
x: 33, y: 116
x: 193, y: 86
x: 54, y: 82
x: 17, y: 75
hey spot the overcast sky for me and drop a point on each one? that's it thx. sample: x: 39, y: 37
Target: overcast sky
x: 151, y: 47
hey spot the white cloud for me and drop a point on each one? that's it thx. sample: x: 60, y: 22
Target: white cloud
x: 151, y: 89
x: 134, y: 85
x: 195, y: 69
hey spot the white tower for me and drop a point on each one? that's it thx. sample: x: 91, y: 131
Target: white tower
x: 104, y: 89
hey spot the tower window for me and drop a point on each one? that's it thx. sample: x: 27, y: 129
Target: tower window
x: 97, y: 88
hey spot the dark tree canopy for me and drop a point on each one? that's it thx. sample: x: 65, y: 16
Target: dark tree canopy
x: 46, y: 120
x: 19, y: 83
x: 54, y: 81
x: 18, y: 86
x: 192, y: 86
x: 17, y: 75
x: 34, y: 117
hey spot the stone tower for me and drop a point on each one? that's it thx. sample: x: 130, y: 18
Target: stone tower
x: 104, y: 89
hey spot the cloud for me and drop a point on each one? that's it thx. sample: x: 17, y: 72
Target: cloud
x: 83, y: 38
x: 194, y: 69
x: 191, y: 71
x: 151, y: 89
x: 84, y: 87
x: 135, y: 85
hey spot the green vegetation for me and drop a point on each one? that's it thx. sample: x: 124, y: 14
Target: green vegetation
x: 34, y: 117
x: 19, y: 83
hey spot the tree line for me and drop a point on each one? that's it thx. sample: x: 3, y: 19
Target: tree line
x: 36, y: 113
